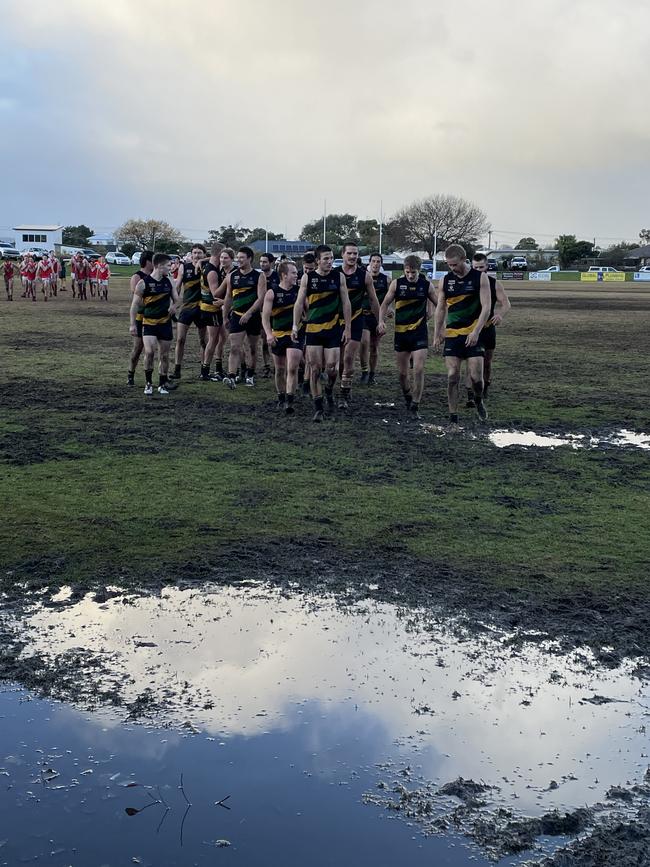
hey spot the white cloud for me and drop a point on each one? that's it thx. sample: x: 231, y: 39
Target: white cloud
x: 210, y: 113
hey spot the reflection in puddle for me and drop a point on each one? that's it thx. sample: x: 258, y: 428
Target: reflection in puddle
x: 505, y: 438
x: 296, y: 707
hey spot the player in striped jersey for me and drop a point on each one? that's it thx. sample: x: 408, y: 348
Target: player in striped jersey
x: 153, y: 295
x: 369, y: 353
x: 360, y: 287
x: 245, y: 291
x: 462, y: 312
x: 325, y: 292
x: 189, y: 277
x: 146, y: 267
x: 500, y: 305
x: 277, y: 319
x: 413, y: 296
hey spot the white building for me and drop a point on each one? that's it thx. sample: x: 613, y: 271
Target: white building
x: 48, y: 237
x: 101, y: 240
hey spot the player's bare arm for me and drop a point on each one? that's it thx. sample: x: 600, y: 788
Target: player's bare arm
x: 486, y: 303
x: 372, y: 295
x: 383, y: 310
x: 299, y: 305
x: 266, y: 317
x: 347, y: 310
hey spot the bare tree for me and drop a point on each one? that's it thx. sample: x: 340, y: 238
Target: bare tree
x: 450, y: 218
x: 156, y: 235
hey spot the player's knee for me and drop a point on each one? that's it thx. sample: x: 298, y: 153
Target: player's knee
x: 453, y: 377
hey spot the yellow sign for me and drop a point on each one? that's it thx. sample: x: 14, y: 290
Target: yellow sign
x: 602, y: 277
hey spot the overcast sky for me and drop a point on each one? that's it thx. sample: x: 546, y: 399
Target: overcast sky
x: 203, y: 112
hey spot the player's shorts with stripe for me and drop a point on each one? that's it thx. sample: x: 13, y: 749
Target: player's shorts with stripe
x: 253, y: 328
x: 412, y: 341
x: 328, y: 338
x: 284, y: 343
x: 163, y: 330
x: 191, y: 316
x: 456, y: 347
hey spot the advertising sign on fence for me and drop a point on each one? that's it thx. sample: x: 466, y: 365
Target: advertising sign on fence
x: 539, y: 275
x: 642, y: 275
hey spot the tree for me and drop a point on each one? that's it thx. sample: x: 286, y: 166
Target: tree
x: 340, y: 228
x: 571, y: 250
x: 527, y: 244
x: 76, y: 236
x: 128, y: 249
x: 451, y: 219
x: 156, y: 235
x: 644, y: 236
x: 616, y: 254
x: 231, y: 235
x: 368, y: 231
x: 259, y: 234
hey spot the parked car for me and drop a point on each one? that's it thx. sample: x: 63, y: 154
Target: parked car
x: 36, y: 252
x: 603, y: 269
x: 492, y: 265
x: 519, y: 263
x: 7, y: 251
x: 645, y: 269
x: 89, y: 253
x: 117, y: 258
x: 553, y: 268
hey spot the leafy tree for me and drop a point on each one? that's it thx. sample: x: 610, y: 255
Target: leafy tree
x: 76, y: 236
x: 128, y: 249
x: 527, y: 244
x: 340, y: 228
x: 368, y: 231
x: 571, y: 250
x: 615, y: 254
x: 644, y: 236
x: 451, y: 218
x: 156, y: 235
x: 231, y: 235
x: 259, y: 234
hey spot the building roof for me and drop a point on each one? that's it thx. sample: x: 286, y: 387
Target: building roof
x: 101, y: 237
x: 283, y: 246
x: 37, y: 228
x: 639, y: 253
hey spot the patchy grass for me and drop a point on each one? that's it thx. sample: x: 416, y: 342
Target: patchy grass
x: 100, y: 480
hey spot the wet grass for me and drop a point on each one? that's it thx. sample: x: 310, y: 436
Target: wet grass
x: 101, y: 481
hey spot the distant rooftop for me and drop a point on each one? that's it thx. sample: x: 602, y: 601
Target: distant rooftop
x: 37, y: 228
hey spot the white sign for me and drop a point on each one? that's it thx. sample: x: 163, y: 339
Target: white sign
x: 539, y: 275
x: 642, y: 275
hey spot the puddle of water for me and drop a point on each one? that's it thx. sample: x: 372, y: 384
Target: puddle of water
x: 295, y: 708
x: 506, y: 438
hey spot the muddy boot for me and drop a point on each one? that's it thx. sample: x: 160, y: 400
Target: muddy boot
x: 470, y: 404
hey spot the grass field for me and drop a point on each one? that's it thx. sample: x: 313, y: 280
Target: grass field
x: 101, y: 484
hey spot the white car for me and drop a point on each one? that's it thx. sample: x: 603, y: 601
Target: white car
x: 553, y: 268
x: 118, y: 258
x: 645, y: 269
x: 519, y: 263
x: 605, y: 269
x: 8, y: 251
x: 135, y: 258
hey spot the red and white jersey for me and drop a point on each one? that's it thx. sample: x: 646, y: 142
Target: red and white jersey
x: 92, y: 270
x: 56, y: 265
x: 45, y: 269
x: 30, y: 269
x: 80, y: 268
x: 9, y: 270
x: 103, y: 271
